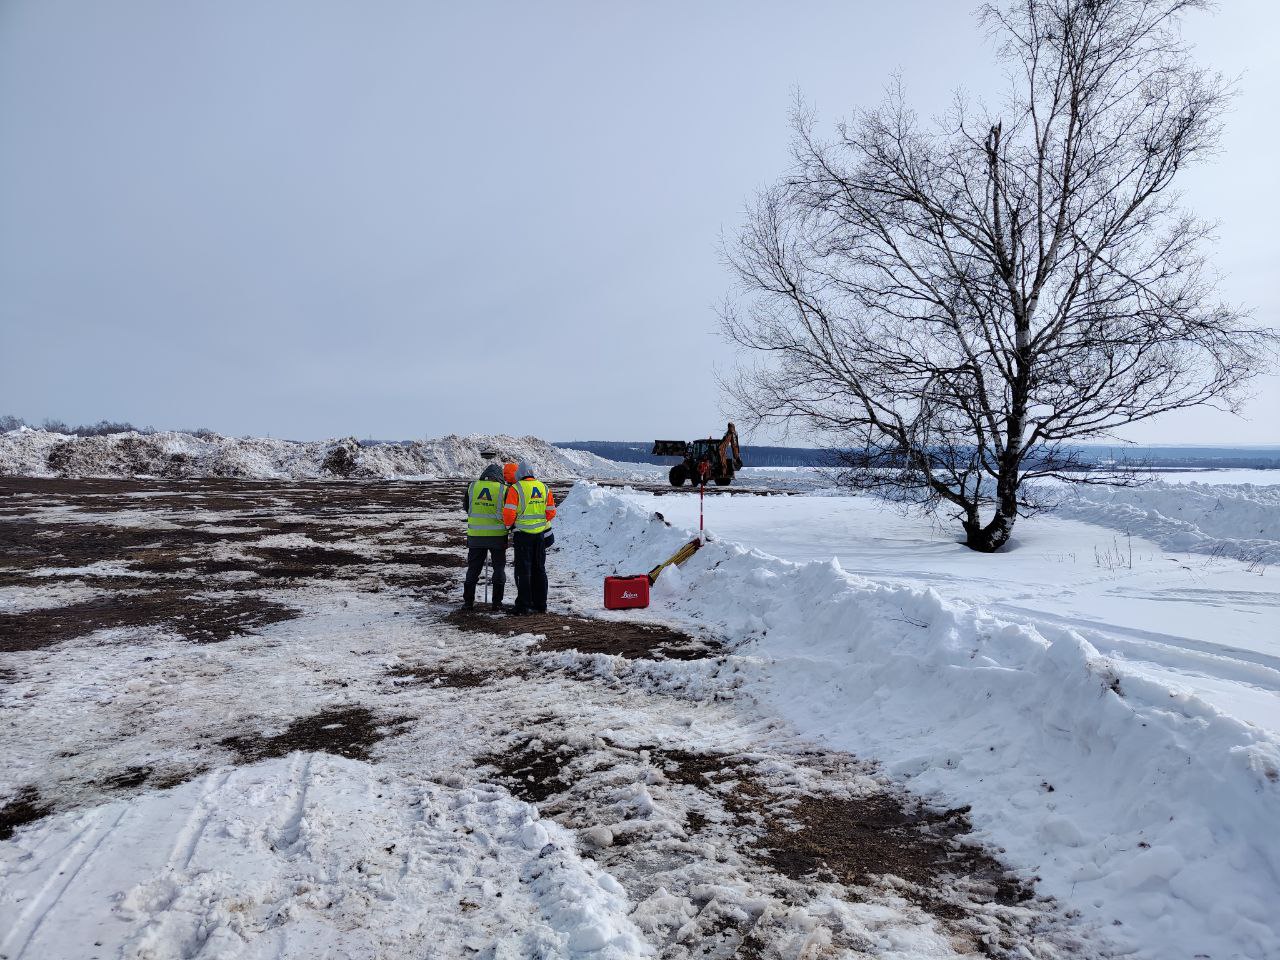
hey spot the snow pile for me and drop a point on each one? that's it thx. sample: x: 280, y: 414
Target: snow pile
x: 1233, y: 520
x: 1132, y: 802
x: 359, y: 865
x: 39, y: 453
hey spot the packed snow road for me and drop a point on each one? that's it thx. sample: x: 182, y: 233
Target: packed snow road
x: 241, y: 719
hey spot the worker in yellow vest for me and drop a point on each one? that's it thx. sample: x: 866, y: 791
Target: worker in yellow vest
x: 528, y: 510
x: 486, y: 535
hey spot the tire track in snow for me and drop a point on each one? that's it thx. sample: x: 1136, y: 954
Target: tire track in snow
x: 79, y: 852
x: 1164, y: 650
x: 188, y: 838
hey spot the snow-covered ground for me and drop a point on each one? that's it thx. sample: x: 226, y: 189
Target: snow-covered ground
x: 1204, y: 623
x: 1110, y: 710
x: 294, y: 857
x: 1102, y: 698
x: 251, y: 727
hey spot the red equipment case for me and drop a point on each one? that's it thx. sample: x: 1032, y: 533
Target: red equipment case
x: 622, y: 593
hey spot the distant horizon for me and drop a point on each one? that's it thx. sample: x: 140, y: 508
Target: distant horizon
x: 151, y: 428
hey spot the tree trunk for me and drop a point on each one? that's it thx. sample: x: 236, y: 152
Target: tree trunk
x: 994, y: 535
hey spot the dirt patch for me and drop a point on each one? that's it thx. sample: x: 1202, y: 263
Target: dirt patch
x: 855, y: 841
x: 127, y: 779
x: 177, y: 563
x: 590, y: 635
x: 32, y: 545
x: 426, y: 558
x: 198, y: 618
x: 534, y: 770
x: 431, y: 584
x: 437, y: 677
x: 23, y: 808
x: 295, y: 562
x: 344, y: 731
x: 158, y: 779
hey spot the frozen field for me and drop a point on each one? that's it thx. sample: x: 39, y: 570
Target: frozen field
x: 242, y: 719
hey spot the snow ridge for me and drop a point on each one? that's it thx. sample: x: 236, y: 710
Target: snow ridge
x: 174, y: 455
x: 1235, y: 520
x: 1131, y: 802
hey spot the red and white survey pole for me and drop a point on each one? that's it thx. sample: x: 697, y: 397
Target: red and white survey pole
x: 702, y: 495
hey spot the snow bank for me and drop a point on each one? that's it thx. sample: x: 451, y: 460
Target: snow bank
x: 1131, y: 802
x: 1234, y: 520
x: 361, y: 865
x: 39, y: 453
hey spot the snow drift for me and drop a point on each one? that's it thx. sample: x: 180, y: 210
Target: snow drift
x: 1234, y: 520
x: 39, y: 453
x: 1146, y: 809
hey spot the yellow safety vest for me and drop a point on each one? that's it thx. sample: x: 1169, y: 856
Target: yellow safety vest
x: 484, y: 516
x: 531, y: 514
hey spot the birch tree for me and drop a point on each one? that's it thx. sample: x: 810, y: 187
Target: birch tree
x: 957, y: 304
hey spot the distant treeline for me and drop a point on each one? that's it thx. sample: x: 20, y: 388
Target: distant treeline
x: 1089, y: 456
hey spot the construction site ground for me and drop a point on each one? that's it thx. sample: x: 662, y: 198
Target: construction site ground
x: 176, y: 636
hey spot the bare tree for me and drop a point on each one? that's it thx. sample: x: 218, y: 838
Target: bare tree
x: 957, y: 305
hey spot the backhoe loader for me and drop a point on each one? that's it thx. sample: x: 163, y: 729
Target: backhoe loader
x: 703, y: 461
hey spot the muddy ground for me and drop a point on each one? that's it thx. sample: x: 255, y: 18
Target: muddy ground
x: 559, y: 708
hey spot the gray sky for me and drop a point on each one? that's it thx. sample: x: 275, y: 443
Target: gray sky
x: 308, y: 218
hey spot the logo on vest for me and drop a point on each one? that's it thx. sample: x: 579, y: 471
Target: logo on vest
x: 536, y: 493
x: 485, y: 494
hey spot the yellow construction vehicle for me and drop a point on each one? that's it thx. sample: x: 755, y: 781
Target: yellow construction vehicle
x: 703, y: 461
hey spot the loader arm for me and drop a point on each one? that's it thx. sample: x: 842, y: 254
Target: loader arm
x: 730, y: 444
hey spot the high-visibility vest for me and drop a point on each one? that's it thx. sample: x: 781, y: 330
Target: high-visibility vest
x: 484, y: 516
x: 531, y: 514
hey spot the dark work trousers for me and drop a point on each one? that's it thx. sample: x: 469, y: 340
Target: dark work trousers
x: 531, y: 572
x: 475, y: 563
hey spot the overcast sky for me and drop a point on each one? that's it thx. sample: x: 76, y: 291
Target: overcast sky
x: 308, y: 218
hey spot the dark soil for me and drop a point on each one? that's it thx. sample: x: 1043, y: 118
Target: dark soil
x: 345, y: 731
x: 534, y: 770
x: 291, y: 562
x: 427, y: 558
x: 589, y: 635
x: 437, y: 677
x: 128, y: 778
x: 30, y: 545
x: 25, y: 807
x: 156, y: 778
x: 854, y: 840
x: 198, y: 618
x: 177, y: 562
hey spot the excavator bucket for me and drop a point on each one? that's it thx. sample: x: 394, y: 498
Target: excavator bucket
x: 669, y: 448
